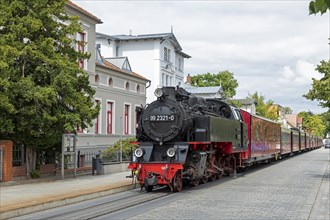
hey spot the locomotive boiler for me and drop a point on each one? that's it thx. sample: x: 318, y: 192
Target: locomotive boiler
x: 184, y: 138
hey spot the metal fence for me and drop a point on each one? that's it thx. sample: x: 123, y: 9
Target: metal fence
x: 115, y: 157
x: 18, y: 155
x: 85, y: 159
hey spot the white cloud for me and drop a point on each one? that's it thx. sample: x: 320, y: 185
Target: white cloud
x: 301, y: 74
x: 271, y: 46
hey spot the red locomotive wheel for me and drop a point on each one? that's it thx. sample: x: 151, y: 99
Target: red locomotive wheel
x: 177, y: 182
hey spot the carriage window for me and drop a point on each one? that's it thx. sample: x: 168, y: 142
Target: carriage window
x: 257, y: 132
x: 266, y: 136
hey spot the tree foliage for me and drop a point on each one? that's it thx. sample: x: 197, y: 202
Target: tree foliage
x: 326, y: 120
x: 313, y: 123
x: 43, y: 92
x: 124, y: 144
x: 264, y: 108
x: 287, y: 110
x: 225, y: 79
x: 319, y: 6
x: 321, y: 88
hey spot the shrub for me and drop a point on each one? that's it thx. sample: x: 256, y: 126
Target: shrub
x: 35, y: 174
x: 113, y: 152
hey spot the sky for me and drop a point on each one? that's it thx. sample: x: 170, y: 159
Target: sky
x: 271, y: 47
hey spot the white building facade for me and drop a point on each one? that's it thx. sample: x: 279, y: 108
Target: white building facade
x: 159, y: 57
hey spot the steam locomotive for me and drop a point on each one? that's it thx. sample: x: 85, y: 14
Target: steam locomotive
x: 184, y: 138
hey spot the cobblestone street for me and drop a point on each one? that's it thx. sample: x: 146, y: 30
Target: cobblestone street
x: 284, y: 190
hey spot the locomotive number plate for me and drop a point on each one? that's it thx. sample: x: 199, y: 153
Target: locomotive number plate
x: 162, y: 117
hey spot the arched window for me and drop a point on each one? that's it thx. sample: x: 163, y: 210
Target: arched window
x: 110, y: 82
x: 138, y: 88
x: 97, y: 78
x: 127, y: 86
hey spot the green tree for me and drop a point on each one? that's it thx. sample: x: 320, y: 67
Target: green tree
x: 313, y: 123
x: 263, y: 108
x: 225, y: 79
x: 114, y: 151
x: 326, y: 120
x: 319, y: 6
x: 43, y: 91
x: 287, y: 110
x: 321, y: 88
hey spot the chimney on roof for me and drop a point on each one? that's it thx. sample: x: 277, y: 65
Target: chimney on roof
x: 130, y: 32
x: 189, y: 80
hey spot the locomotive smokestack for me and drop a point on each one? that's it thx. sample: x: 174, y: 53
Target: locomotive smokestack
x: 189, y: 80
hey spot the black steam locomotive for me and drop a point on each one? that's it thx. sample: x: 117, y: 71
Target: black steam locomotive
x: 182, y: 137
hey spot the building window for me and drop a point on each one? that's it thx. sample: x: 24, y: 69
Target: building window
x: 167, y: 54
x: 138, y: 88
x: 136, y: 119
x: 110, y: 82
x: 97, y: 123
x: 180, y: 63
x: 126, y: 119
x: 81, y: 41
x: 97, y: 78
x: 127, y: 86
x: 109, y: 118
x: 163, y: 79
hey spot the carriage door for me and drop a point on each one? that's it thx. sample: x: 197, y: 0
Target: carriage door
x: 244, y: 136
x: 244, y: 131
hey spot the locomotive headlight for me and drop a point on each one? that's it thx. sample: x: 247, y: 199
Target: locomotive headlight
x: 159, y: 92
x: 171, y: 152
x: 138, y: 152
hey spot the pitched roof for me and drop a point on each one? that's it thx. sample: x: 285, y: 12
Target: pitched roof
x: 161, y: 36
x: 100, y: 61
x: 121, y: 62
x: 108, y: 65
x: 88, y: 14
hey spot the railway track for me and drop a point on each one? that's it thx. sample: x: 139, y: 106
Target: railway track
x: 99, y: 207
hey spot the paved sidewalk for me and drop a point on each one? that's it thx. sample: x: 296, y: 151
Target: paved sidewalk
x: 26, y: 198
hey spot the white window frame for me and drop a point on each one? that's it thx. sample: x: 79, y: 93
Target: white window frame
x: 129, y: 128
x: 99, y: 118
x: 113, y: 115
x: 85, y: 46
